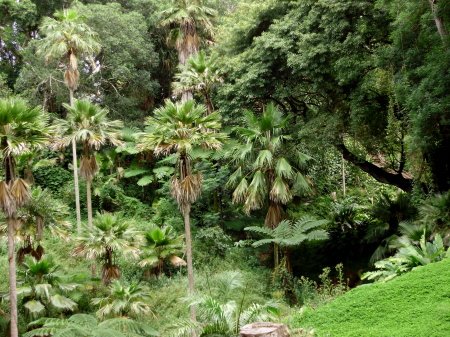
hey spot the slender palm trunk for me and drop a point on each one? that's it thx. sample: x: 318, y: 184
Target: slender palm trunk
x: 77, y: 186
x: 187, y: 226
x: 12, y: 277
x: 276, y: 255
x: 75, y: 174
x: 343, y: 177
x: 183, y: 54
x: 209, y: 105
x: 89, y: 202
x: 89, y: 211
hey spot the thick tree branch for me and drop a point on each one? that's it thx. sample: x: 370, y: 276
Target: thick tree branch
x: 377, y: 172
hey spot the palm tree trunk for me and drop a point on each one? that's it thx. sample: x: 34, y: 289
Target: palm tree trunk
x: 183, y: 56
x: 77, y: 186
x: 89, y: 212
x: 187, y: 226
x: 75, y: 174
x: 209, y: 106
x: 89, y: 202
x: 12, y: 277
x: 343, y: 177
x: 276, y: 255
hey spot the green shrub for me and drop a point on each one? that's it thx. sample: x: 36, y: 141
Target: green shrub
x: 53, y: 178
x: 311, y: 294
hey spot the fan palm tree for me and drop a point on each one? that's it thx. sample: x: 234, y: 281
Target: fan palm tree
x: 40, y: 212
x: 68, y: 38
x: 162, y: 244
x: 44, y: 288
x: 221, y: 316
x: 185, y: 18
x: 123, y: 300
x: 21, y: 130
x: 110, y: 234
x: 275, y: 170
x: 180, y: 128
x: 89, y: 124
x: 82, y: 325
x: 200, y: 74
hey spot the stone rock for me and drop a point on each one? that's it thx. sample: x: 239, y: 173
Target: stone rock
x: 264, y: 329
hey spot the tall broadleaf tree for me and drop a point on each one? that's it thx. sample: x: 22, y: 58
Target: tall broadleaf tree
x: 186, y: 19
x: 21, y: 130
x: 88, y: 123
x: 67, y: 38
x: 179, y: 128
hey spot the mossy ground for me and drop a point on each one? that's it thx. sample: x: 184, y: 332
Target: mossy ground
x: 416, y: 304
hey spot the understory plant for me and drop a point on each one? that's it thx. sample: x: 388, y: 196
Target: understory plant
x: 109, y: 235
x: 223, y: 312
x: 82, y: 325
x: 408, y: 257
x: 316, y: 295
x: 42, y: 288
x: 123, y: 300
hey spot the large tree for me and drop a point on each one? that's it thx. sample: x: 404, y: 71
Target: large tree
x: 21, y: 129
x: 68, y: 38
x: 179, y: 128
x: 269, y: 170
x: 88, y: 124
x: 324, y: 57
x: 185, y: 20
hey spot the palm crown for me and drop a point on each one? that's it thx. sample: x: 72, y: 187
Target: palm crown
x: 43, y: 287
x: 185, y: 17
x: 162, y: 244
x: 200, y: 74
x: 67, y: 37
x: 179, y: 127
x: 123, y: 300
x: 109, y: 234
x: 88, y: 123
x: 275, y: 173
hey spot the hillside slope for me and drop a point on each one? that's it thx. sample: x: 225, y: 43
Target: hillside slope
x: 416, y: 304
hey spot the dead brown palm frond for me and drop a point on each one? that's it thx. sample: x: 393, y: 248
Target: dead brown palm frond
x: 79, y: 250
x: 20, y: 191
x: 110, y: 273
x: 88, y: 167
x: 21, y: 253
x: 7, y: 202
x: 39, y: 251
x: 73, y: 62
x: 177, y: 261
x: 186, y: 191
x: 274, y: 216
x: 71, y: 79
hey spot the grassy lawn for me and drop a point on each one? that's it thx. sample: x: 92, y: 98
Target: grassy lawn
x: 416, y: 304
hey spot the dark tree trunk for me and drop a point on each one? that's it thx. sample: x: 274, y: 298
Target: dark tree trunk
x: 378, y: 173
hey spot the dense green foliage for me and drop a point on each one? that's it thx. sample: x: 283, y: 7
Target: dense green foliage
x: 415, y: 304
x: 252, y: 141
